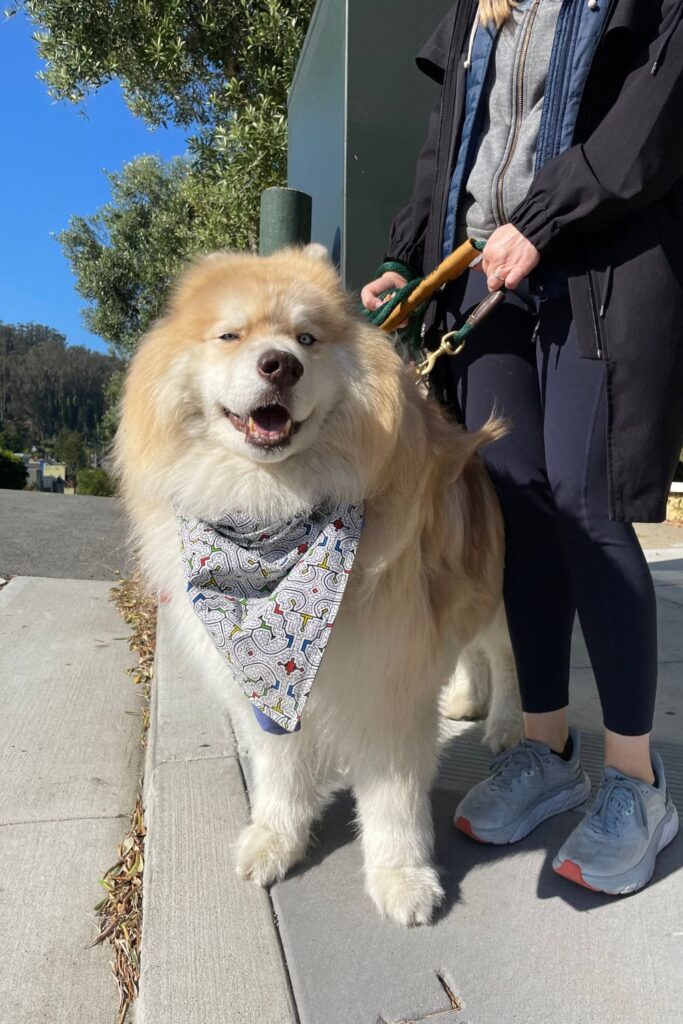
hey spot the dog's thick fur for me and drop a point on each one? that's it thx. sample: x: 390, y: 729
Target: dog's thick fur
x: 427, y: 576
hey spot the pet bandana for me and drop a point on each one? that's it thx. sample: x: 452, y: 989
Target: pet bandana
x: 268, y: 595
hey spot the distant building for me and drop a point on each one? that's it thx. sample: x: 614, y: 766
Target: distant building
x: 46, y: 476
x: 54, y: 477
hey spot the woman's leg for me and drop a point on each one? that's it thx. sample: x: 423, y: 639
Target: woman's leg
x: 497, y: 373
x: 611, y: 580
x: 614, y: 847
x: 542, y: 776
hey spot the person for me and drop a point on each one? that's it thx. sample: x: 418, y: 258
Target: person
x: 557, y: 140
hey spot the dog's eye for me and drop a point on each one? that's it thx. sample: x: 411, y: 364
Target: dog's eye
x: 229, y: 336
x: 305, y: 339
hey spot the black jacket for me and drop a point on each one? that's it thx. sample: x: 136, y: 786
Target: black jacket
x: 609, y: 213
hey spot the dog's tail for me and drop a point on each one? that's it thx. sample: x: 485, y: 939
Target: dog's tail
x: 470, y: 441
x: 494, y: 428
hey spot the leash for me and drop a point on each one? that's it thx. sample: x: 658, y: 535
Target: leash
x: 411, y: 301
x: 454, y: 342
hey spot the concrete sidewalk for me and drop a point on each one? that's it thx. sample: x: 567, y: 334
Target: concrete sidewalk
x: 515, y: 944
x: 212, y: 951
x: 70, y: 764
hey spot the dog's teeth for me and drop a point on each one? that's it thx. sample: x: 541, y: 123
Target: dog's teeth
x: 251, y: 426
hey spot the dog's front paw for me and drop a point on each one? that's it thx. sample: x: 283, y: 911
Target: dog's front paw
x: 504, y: 728
x: 264, y: 856
x: 407, y: 896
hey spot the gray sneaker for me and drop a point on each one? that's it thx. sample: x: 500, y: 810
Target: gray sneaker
x: 614, y: 848
x: 528, y: 784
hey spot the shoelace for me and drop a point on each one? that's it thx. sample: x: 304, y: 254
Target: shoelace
x: 616, y: 799
x: 508, y: 766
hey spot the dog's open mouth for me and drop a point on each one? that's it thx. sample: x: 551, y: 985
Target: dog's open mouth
x: 268, y: 426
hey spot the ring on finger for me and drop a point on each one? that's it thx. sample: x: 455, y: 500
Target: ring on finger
x: 498, y: 277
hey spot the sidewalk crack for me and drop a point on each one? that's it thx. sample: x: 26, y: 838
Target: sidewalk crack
x: 54, y: 821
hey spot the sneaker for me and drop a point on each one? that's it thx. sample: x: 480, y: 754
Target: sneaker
x: 528, y: 784
x: 615, y: 847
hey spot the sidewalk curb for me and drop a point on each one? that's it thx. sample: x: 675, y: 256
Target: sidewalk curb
x: 211, y: 951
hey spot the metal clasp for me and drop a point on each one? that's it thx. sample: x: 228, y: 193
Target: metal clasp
x: 445, y: 348
x: 484, y: 309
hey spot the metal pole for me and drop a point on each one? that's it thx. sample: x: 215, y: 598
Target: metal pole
x: 285, y: 219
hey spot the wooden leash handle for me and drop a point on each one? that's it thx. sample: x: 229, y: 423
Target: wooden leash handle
x: 451, y: 268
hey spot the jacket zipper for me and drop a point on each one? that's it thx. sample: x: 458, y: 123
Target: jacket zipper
x: 594, y: 314
x: 519, y: 94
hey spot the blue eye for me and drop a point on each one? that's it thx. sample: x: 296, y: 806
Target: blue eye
x: 229, y: 336
x: 305, y: 339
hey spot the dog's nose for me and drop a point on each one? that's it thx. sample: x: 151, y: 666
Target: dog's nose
x: 281, y: 369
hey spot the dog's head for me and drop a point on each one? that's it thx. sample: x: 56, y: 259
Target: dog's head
x: 260, y: 362
x: 270, y: 347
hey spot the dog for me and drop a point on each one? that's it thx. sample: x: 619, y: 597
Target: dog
x: 262, y: 390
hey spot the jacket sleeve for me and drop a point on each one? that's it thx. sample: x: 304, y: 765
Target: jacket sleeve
x: 633, y: 157
x: 408, y: 229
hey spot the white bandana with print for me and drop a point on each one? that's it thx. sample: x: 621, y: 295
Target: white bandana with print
x: 268, y: 595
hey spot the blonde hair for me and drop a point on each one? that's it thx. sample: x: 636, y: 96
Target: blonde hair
x: 496, y: 11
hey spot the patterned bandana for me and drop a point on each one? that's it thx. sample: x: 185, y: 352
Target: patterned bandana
x: 268, y: 595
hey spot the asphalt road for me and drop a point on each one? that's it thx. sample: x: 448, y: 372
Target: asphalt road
x: 65, y: 536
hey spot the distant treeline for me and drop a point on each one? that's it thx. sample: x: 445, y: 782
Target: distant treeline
x: 47, y: 387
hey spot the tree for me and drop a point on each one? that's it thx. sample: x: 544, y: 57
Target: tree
x: 69, y: 448
x: 221, y: 69
x: 13, y: 472
x: 95, y: 481
x: 206, y: 64
x: 126, y: 255
x: 47, y: 385
x: 13, y: 437
x: 15, y: 342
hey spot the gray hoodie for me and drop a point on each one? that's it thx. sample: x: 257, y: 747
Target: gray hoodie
x: 504, y: 163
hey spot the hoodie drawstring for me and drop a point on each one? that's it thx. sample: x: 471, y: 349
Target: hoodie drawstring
x: 470, y: 46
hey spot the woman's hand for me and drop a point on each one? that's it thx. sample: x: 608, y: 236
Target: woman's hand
x: 370, y: 296
x: 508, y: 258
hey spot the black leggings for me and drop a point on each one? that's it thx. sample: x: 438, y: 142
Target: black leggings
x: 564, y: 554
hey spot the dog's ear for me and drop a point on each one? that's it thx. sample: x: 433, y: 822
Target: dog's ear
x: 316, y: 251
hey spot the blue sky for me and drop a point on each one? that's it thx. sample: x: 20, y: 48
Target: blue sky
x: 51, y: 167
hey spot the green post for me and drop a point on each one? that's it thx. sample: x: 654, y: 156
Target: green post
x: 285, y: 219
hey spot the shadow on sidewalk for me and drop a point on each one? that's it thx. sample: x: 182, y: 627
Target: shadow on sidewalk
x: 464, y: 762
x: 458, y: 855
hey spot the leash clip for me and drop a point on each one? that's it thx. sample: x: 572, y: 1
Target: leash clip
x: 479, y: 313
x: 445, y: 348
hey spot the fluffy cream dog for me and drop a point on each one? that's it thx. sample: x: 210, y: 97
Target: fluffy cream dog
x: 263, y: 391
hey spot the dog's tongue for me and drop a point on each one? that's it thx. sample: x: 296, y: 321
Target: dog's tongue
x: 270, y: 421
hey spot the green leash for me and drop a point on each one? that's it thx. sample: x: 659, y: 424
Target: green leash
x: 409, y: 337
x: 411, y: 301
x: 387, y: 315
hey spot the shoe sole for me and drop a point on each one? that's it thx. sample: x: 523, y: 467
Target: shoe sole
x: 555, y: 803
x: 629, y: 881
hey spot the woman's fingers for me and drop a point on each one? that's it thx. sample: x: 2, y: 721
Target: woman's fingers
x: 508, y: 258
x: 498, y: 277
x: 515, y: 277
x: 370, y: 295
